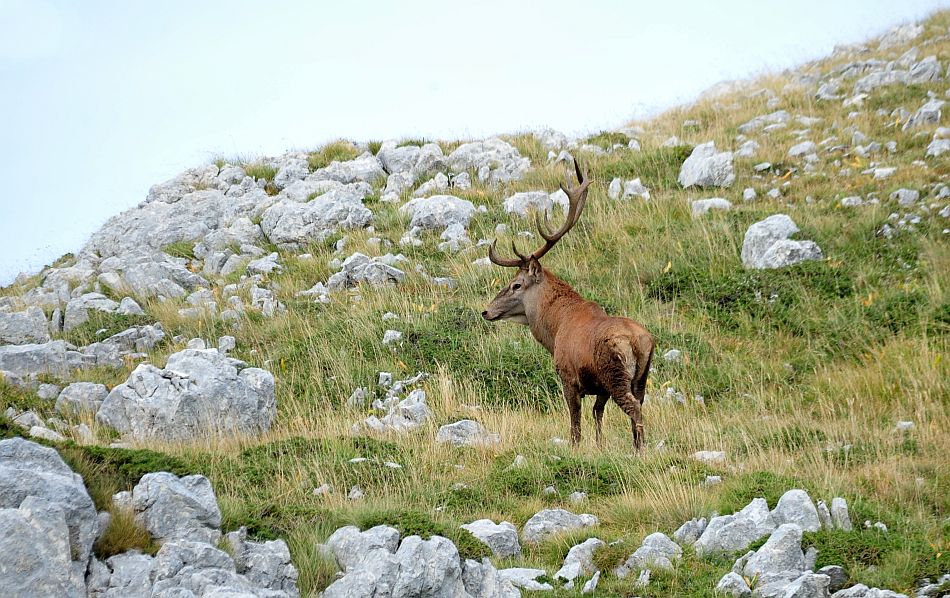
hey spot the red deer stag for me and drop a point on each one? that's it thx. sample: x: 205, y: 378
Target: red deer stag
x: 594, y: 354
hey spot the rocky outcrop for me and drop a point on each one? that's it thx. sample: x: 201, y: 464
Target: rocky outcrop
x: 731, y: 533
x: 438, y: 212
x: 199, y: 392
x: 23, y: 327
x: 493, y: 160
x: 376, y: 563
x: 291, y: 224
x: 48, y: 520
x: 173, y: 508
x: 466, y: 432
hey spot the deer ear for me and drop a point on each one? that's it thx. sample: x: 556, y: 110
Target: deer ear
x: 534, y: 268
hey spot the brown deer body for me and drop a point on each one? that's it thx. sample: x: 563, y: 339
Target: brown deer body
x: 594, y: 353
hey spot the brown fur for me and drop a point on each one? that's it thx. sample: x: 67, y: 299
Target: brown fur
x: 594, y: 353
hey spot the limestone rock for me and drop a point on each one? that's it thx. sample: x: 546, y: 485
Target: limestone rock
x: 731, y: 533
x: 199, y: 392
x: 795, y: 506
x: 553, y: 521
x: 177, y: 508
x: 438, y: 212
x: 24, y: 327
x: 292, y: 224
x: 502, y: 538
x: 656, y: 552
x: 35, y: 552
x: 466, y: 432
x: 266, y: 564
x: 732, y: 584
x: 494, y: 160
x: 705, y: 167
x: 29, y: 469
x: 81, y: 397
x: 580, y: 560
x: 702, y: 206
x: 767, y: 245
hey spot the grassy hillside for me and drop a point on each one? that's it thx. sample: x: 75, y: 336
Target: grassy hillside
x: 804, y: 371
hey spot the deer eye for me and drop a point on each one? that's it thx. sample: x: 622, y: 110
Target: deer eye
x: 517, y: 286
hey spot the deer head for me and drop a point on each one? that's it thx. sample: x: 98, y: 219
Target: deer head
x: 518, y: 297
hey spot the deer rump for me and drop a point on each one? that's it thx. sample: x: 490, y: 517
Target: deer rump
x: 603, y: 356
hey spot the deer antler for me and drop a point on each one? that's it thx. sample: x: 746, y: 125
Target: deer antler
x: 577, y: 197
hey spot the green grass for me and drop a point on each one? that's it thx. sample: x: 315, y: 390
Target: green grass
x: 607, y: 139
x: 101, y: 325
x: 185, y: 249
x: 339, y: 151
x: 261, y: 171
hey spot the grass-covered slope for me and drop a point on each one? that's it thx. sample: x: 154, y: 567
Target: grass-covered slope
x: 804, y: 371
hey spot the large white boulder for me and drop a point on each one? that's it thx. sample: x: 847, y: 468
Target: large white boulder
x: 23, y: 327
x: 35, y: 553
x: 172, y: 508
x: 767, y: 245
x: 705, y: 167
x: 28, y: 469
x: 502, y: 537
x: 554, y: 521
x: 199, y: 392
x: 438, y: 212
x: 731, y: 533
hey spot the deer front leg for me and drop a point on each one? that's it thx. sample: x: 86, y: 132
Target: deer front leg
x: 599, y: 405
x: 573, y: 399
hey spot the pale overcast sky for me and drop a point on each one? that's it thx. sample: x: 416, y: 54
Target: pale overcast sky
x: 100, y: 100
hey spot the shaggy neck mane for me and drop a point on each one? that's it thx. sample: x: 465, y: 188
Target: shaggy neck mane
x: 556, y: 301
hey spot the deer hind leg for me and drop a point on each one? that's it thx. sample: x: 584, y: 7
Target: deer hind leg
x: 638, y: 387
x: 631, y: 406
x: 599, y: 405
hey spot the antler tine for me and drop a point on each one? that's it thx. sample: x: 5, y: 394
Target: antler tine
x: 577, y: 197
x: 544, y: 226
x: 502, y: 261
x: 520, y: 255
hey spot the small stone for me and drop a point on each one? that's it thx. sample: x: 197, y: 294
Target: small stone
x: 46, y: 434
x: 323, y: 490
x: 591, y: 584
x: 356, y: 493
x: 391, y: 337
x: 733, y: 584
x: 839, y: 514
x: 226, y: 344
x: 712, y: 480
x: 824, y: 515
x: 48, y: 391
x: 904, y: 426
x: 714, y: 458
x: 673, y: 355
x: 577, y: 497
x: 837, y: 576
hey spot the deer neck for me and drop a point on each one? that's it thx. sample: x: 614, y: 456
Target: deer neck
x: 545, y: 316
